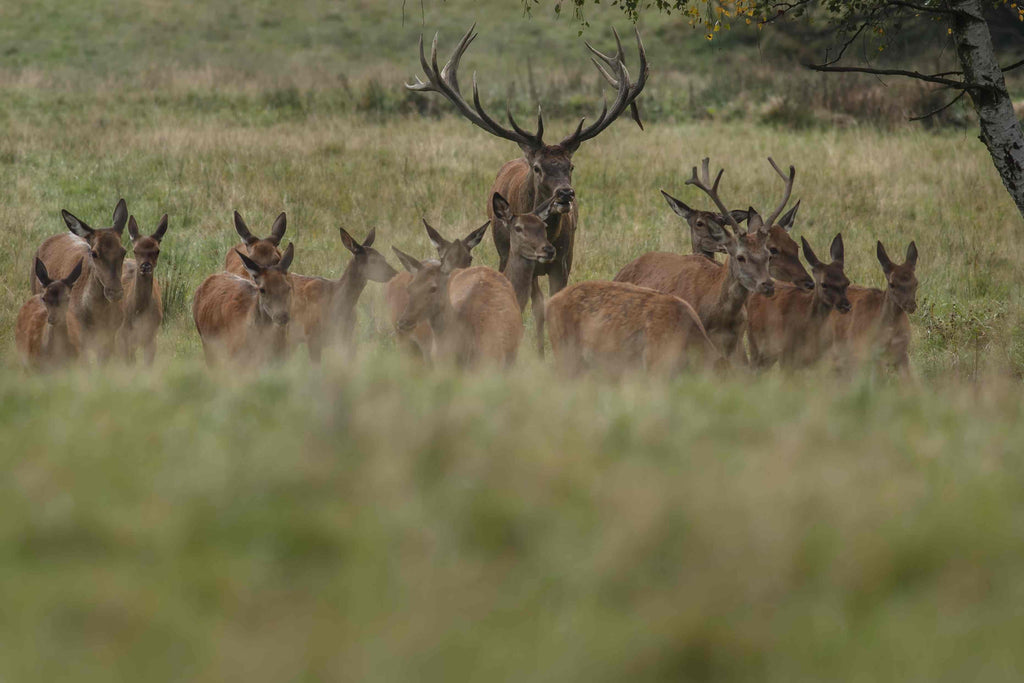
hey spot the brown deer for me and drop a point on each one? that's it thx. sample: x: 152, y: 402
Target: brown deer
x: 616, y: 325
x: 878, y: 322
x: 545, y: 171
x: 324, y: 311
x: 473, y: 313
x: 142, y: 305
x: 96, y: 296
x: 718, y: 293
x: 451, y: 255
x: 529, y: 248
x: 46, y: 336
x: 792, y: 327
x: 263, y: 252
x: 244, y: 319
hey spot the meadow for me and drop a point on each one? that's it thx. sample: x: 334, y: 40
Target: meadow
x: 375, y: 520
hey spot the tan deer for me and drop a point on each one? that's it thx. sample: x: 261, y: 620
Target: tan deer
x: 451, y: 255
x: 142, y: 305
x: 263, y: 252
x: 45, y: 335
x: 324, y: 311
x: 97, y: 294
x: 545, y: 171
x: 792, y: 327
x: 473, y: 313
x: 718, y: 293
x: 617, y: 326
x: 241, y: 319
x: 877, y: 325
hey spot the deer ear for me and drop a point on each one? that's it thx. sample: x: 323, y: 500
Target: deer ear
x: 809, y: 254
x: 883, y: 258
x: 786, y: 222
x: 755, y: 223
x: 72, y: 277
x: 277, y: 232
x: 350, y: 243
x: 911, y: 255
x: 76, y: 226
x: 738, y: 215
x: 836, y: 249
x: 120, y: 216
x: 133, y: 229
x: 473, y: 238
x: 408, y: 262
x: 544, y: 210
x: 243, y: 230
x: 42, y: 275
x: 677, y: 206
x: 161, y: 228
x: 251, y: 266
x: 436, y: 239
x: 502, y: 210
x: 286, y: 258
x: 370, y: 237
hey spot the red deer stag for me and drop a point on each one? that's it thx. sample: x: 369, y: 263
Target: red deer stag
x: 545, y: 171
x: 878, y: 322
x: 42, y: 333
x: 263, y: 252
x: 324, y: 311
x: 96, y: 296
x: 472, y: 313
x: 792, y: 327
x: 244, y: 319
x: 616, y: 326
x: 142, y: 305
x: 451, y: 256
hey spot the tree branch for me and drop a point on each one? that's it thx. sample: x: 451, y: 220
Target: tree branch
x: 947, y: 105
x: 959, y: 85
x: 926, y: 8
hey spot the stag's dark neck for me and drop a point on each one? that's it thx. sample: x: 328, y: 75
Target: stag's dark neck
x: 519, y: 271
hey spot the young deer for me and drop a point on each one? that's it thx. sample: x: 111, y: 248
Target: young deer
x: 263, y: 252
x: 792, y: 327
x: 45, y: 334
x: 473, y: 313
x: 244, y: 319
x: 142, y: 305
x: 324, y: 310
x: 718, y: 293
x: 451, y: 256
x: 616, y: 325
x: 706, y: 227
x: 878, y: 322
x: 96, y: 296
x: 528, y: 246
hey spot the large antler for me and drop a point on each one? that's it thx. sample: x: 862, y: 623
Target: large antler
x: 785, y: 197
x: 446, y: 82
x: 614, y: 71
x: 712, y: 191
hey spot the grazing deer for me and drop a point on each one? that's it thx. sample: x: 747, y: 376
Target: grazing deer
x: 142, y: 306
x: 263, y: 252
x: 545, y: 171
x: 96, y: 296
x: 245, y: 319
x: 718, y: 293
x: 792, y: 327
x: 616, y: 325
x: 46, y: 336
x: 451, y: 255
x: 473, y: 313
x: 324, y: 310
x: 529, y: 248
x: 878, y: 323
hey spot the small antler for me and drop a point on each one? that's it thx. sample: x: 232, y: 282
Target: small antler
x: 702, y: 183
x: 785, y: 196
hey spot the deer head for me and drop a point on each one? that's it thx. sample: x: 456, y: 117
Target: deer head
x: 902, y: 279
x: 369, y: 262
x: 456, y: 253
x: 830, y: 280
x: 706, y: 234
x: 106, y: 255
x: 785, y: 263
x: 146, y: 249
x: 263, y: 252
x: 528, y: 234
x: 275, y: 290
x: 428, y: 291
x: 57, y: 293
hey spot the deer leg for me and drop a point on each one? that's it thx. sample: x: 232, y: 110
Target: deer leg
x: 149, y: 352
x: 314, y: 345
x: 537, y: 305
x: 558, y: 278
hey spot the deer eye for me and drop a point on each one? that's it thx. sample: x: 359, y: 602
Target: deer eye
x: 741, y: 259
x: 94, y: 254
x: 773, y: 251
x: 536, y: 168
x: 263, y: 290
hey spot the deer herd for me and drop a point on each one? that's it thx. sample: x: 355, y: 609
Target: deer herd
x: 662, y: 312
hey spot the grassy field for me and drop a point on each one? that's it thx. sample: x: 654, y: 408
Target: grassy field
x: 375, y: 521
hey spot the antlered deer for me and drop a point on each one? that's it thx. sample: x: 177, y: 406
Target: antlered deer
x: 616, y: 325
x: 142, y: 305
x: 324, y: 311
x: 451, y: 255
x: 792, y: 327
x: 473, y: 313
x: 545, y: 171
x: 263, y: 252
x: 878, y: 323
x: 96, y: 296
x: 241, y: 319
x: 44, y: 333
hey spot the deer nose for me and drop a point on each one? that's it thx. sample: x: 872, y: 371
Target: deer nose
x: 281, y: 319
x: 113, y: 294
x: 548, y: 253
x: 565, y: 194
x: 768, y: 288
x: 844, y: 307
x: 146, y: 268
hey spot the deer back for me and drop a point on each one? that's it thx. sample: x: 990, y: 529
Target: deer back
x: 487, y: 311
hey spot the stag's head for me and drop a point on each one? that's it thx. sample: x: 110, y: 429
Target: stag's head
x: 829, y: 278
x: 273, y: 285
x: 428, y: 291
x: 528, y: 233
x: 146, y: 249
x: 456, y: 253
x: 785, y: 262
x: 264, y: 252
x: 370, y: 262
x: 106, y: 255
x: 901, y: 279
x: 57, y: 293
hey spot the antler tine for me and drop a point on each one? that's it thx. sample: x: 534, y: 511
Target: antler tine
x: 518, y: 129
x: 702, y: 184
x: 786, y: 193
x: 450, y: 72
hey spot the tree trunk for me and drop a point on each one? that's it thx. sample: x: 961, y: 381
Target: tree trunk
x: 1000, y: 130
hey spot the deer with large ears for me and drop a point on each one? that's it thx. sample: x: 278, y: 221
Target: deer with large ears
x: 46, y: 336
x: 97, y: 294
x: 878, y: 326
x: 451, y: 255
x: 243, y: 319
x: 792, y: 327
x: 544, y: 171
x: 142, y: 305
x: 472, y: 313
x: 324, y: 311
x: 263, y: 252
